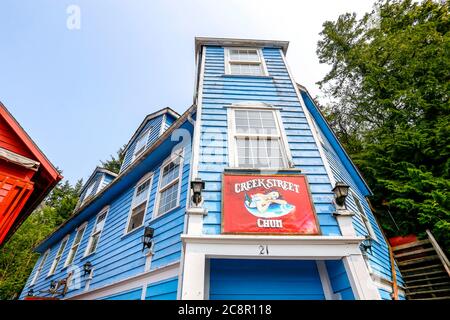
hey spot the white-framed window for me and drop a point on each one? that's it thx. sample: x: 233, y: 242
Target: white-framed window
x: 75, y: 244
x: 245, y: 61
x: 256, y: 139
x: 40, y: 267
x: 139, y: 203
x: 169, y: 186
x: 58, y: 255
x: 141, y: 144
x: 96, y: 232
x: 362, y: 214
x: 89, y: 190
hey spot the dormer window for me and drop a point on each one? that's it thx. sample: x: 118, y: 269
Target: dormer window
x: 141, y: 144
x: 245, y: 62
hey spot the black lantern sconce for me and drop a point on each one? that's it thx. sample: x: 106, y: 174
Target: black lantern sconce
x: 53, y: 285
x: 340, y: 191
x: 87, y: 268
x: 197, y: 186
x: 30, y: 292
x: 147, y: 238
x: 366, y: 245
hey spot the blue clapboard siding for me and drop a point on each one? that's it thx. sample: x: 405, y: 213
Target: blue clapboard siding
x: 339, y: 279
x: 220, y: 90
x: 134, y: 294
x: 162, y: 290
x: 264, y: 279
x: 119, y: 256
x: 379, y: 260
x: 155, y: 125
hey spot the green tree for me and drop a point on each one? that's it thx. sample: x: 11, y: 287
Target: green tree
x: 114, y: 163
x: 16, y: 256
x: 387, y: 97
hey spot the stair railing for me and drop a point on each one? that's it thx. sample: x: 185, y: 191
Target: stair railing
x: 439, y: 252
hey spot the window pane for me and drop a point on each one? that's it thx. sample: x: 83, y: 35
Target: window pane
x: 168, y: 199
x: 94, y: 243
x: 137, y: 217
x: 170, y: 173
x: 79, y: 235
x: 244, y: 55
x: 259, y: 152
x: 142, y: 192
x: 255, y: 122
x: 250, y: 69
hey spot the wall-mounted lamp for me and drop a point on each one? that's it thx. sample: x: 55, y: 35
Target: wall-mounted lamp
x: 53, y: 285
x: 340, y: 193
x: 147, y: 238
x: 197, y: 186
x: 30, y: 292
x: 87, y: 268
x: 366, y: 245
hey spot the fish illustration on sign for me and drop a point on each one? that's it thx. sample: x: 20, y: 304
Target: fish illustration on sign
x: 268, y: 205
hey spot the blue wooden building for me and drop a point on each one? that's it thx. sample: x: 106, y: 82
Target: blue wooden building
x: 249, y: 117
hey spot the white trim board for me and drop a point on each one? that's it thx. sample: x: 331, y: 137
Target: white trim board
x: 135, y: 282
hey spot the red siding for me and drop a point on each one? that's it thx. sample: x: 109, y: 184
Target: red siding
x: 9, y: 140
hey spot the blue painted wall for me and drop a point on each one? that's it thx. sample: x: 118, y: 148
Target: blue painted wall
x: 162, y: 290
x: 220, y: 90
x: 134, y: 294
x: 339, y: 279
x: 264, y: 280
x: 379, y: 258
x: 119, y: 256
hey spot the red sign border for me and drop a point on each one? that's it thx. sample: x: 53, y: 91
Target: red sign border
x: 319, y: 233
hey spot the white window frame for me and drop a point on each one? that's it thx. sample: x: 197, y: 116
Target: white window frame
x: 173, y: 157
x: 232, y: 134
x: 363, y: 216
x: 58, y: 256
x: 94, y: 232
x: 147, y: 177
x: 82, y: 227
x: 144, y: 136
x: 89, y: 188
x: 261, y: 62
x: 40, y: 267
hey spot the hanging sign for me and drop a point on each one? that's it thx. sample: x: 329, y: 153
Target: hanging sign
x: 267, y: 204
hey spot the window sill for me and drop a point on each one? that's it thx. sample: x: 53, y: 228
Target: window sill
x: 245, y: 76
x: 164, y: 214
x: 87, y: 256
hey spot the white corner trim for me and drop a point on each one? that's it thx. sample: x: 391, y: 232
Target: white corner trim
x: 325, y: 279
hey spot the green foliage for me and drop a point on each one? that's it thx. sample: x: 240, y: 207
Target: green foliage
x: 387, y: 98
x: 16, y: 256
x: 115, y: 162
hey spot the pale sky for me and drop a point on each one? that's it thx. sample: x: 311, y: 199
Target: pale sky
x: 81, y: 93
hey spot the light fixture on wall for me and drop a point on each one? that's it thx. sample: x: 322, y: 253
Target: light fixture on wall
x: 340, y: 191
x: 87, y: 268
x: 53, y: 285
x: 366, y: 244
x: 197, y: 186
x: 147, y: 238
x: 30, y: 292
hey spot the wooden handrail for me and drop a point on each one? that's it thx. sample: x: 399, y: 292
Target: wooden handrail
x: 439, y: 252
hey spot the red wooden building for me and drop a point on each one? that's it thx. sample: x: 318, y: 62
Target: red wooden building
x: 26, y: 175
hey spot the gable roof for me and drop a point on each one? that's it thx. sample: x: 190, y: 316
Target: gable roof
x: 149, y: 117
x: 336, y: 144
x: 92, y: 176
x: 46, y: 177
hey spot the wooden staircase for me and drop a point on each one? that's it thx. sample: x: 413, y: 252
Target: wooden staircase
x: 425, y: 269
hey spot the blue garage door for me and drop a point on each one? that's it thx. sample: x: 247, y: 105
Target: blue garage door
x: 264, y: 279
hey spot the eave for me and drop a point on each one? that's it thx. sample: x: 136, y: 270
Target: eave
x: 47, y: 242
